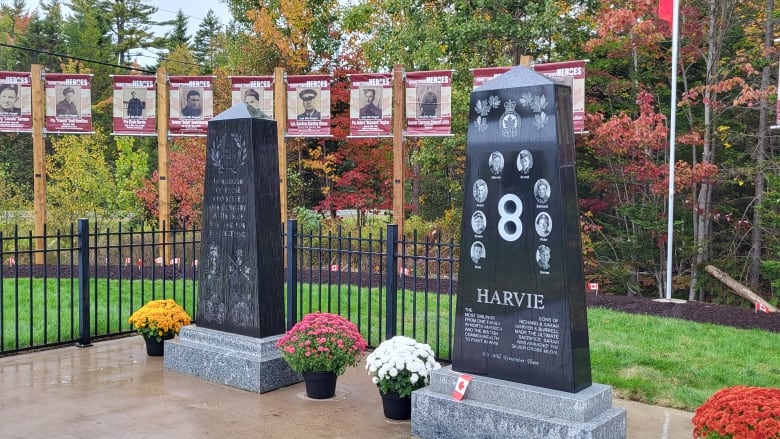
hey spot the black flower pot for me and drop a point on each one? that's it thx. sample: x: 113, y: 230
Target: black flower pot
x: 396, y: 406
x: 156, y: 348
x: 320, y: 385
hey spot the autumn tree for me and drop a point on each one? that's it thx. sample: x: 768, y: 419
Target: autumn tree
x: 186, y: 172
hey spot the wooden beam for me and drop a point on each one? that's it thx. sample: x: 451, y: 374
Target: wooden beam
x: 280, y: 114
x: 164, y: 214
x: 39, y: 159
x: 399, y: 99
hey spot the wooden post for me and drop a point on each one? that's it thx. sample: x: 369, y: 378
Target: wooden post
x: 399, y: 95
x: 525, y: 61
x: 164, y: 214
x: 280, y: 114
x: 39, y: 159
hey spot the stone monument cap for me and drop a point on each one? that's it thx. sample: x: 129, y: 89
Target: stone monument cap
x: 513, y: 77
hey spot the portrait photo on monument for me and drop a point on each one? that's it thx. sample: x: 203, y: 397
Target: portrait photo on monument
x: 480, y: 191
x: 478, y: 222
x: 307, y: 104
x: 525, y: 161
x: 543, y: 257
x: 542, y: 191
x: 496, y: 163
x: 428, y: 96
x: 543, y: 224
x: 477, y: 252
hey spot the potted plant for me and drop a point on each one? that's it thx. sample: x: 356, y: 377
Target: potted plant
x: 159, y: 320
x: 739, y: 412
x: 320, y: 347
x: 399, y: 366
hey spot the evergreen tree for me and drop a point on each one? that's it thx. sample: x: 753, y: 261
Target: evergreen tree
x: 130, y: 25
x: 44, y: 33
x: 178, y: 36
x: 205, y: 44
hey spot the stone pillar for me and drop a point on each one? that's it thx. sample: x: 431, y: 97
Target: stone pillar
x: 241, y: 299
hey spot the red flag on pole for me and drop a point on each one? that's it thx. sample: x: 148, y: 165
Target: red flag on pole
x: 761, y: 307
x: 665, y: 10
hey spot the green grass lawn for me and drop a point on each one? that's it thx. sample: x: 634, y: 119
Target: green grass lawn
x: 55, y: 303
x: 677, y: 363
x: 660, y: 361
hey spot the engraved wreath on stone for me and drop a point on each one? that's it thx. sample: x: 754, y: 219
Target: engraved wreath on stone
x: 228, y: 148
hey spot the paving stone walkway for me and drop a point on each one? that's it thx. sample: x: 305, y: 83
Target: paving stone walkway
x: 114, y: 390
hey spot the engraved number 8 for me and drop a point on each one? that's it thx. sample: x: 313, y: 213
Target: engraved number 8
x: 510, y: 207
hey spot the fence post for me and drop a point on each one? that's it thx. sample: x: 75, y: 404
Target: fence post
x: 292, y: 272
x: 83, y: 260
x: 391, y: 307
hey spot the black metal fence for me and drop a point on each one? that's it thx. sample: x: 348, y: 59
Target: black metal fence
x: 83, y: 285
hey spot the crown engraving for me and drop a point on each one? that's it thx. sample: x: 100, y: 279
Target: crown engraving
x: 509, y: 106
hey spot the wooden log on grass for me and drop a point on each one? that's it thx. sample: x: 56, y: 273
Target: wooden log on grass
x: 737, y: 287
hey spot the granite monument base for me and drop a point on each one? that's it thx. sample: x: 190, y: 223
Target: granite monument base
x: 494, y: 408
x: 253, y: 364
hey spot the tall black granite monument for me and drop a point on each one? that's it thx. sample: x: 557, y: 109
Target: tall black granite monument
x: 242, y: 274
x: 241, y: 299
x: 521, y: 327
x: 521, y: 312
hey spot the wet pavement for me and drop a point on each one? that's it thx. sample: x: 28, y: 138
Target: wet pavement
x: 114, y: 390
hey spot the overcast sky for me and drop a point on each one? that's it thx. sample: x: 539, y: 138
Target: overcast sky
x: 195, y: 10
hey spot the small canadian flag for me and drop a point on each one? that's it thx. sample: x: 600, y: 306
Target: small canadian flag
x: 593, y: 286
x: 761, y: 307
x: 159, y: 261
x: 460, y: 387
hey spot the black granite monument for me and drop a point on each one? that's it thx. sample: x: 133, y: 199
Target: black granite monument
x: 242, y: 273
x: 521, y: 313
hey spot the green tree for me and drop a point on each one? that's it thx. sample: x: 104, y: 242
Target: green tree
x: 178, y: 35
x: 43, y: 34
x: 205, y: 46
x: 132, y: 168
x: 130, y: 24
x: 80, y: 182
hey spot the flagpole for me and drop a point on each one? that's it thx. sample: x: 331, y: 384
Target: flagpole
x: 672, y: 140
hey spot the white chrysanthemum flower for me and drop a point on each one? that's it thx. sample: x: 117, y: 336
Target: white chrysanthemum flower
x: 403, y: 362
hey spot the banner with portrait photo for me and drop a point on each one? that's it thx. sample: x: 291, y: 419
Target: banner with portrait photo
x: 15, y: 102
x: 191, y: 100
x: 308, y: 106
x: 255, y: 91
x: 371, y: 105
x: 573, y: 73
x: 485, y: 74
x: 68, y: 103
x: 135, y: 105
x: 429, y: 103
